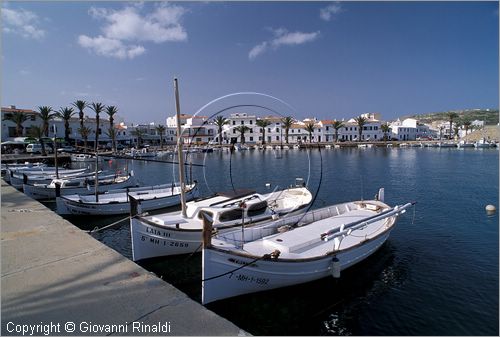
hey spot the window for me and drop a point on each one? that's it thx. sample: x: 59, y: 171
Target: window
x: 242, y: 122
x: 277, y: 137
x: 234, y: 130
x: 277, y: 129
x: 234, y: 122
x: 231, y: 215
x: 251, y: 122
x: 327, y: 128
x: 268, y: 129
x: 251, y: 139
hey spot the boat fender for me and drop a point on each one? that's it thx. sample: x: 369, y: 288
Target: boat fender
x: 336, y: 244
x: 335, y: 268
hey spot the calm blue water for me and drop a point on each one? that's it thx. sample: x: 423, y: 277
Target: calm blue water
x: 437, y: 274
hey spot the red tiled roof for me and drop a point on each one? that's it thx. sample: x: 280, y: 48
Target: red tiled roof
x: 18, y: 110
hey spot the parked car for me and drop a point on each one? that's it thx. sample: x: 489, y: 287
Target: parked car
x: 37, y: 148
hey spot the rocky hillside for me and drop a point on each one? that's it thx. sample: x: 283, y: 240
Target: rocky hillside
x: 489, y: 116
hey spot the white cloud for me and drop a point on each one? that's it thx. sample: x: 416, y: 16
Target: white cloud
x: 110, y: 47
x: 282, y: 38
x: 22, y: 22
x: 329, y: 11
x: 129, y: 25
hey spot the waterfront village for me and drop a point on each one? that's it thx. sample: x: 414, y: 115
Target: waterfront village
x: 78, y: 126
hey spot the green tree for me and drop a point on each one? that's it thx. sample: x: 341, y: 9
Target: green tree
x: 242, y: 129
x: 385, y: 129
x: 220, y: 121
x: 161, y: 131
x: 97, y: 108
x: 310, y: 129
x: 66, y: 114
x: 467, y: 125
x: 80, y: 105
x: 46, y: 115
x: 18, y: 118
x: 287, y: 124
x: 263, y: 124
x: 451, y: 117
x: 337, y: 125
x: 38, y: 133
x: 85, y: 132
x: 361, y: 121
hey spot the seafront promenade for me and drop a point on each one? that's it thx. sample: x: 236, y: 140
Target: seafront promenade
x: 58, y: 279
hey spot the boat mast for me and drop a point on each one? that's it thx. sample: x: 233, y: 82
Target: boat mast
x: 96, y: 183
x: 179, y: 149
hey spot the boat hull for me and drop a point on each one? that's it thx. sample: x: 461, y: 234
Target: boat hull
x: 72, y: 207
x: 267, y: 274
x: 41, y: 192
x: 152, y: 240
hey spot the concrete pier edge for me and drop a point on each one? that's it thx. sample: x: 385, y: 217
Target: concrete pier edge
x: 56, y: 277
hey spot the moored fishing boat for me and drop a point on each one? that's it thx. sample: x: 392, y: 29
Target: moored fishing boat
x: 82, y: 157
x: 293, y: 250
x: 172, y: 233
x: 79, y: 186
x: 18, y: 179
x: 19, y: 166
x: 118, y: 202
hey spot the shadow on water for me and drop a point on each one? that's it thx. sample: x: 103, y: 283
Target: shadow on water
x: 323, y: 307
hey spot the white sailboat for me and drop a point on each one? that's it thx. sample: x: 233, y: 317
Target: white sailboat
x: 118, y: 201
x: 293, y: 250
x: 18, y: 179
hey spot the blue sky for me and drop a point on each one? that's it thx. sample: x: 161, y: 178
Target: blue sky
x: 331, y: 60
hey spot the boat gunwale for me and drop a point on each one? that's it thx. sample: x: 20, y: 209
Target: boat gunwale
x: 308, y: 259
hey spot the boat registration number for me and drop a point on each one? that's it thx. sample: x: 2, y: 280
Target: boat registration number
x: 251, y: 279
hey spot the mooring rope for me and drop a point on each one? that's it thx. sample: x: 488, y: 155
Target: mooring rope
x: 236, y: 269
x: 97, y: 229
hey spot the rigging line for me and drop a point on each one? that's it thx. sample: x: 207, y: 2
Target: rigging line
x: 149, y: 160
x: 230, y: 168
x: 317, y: 190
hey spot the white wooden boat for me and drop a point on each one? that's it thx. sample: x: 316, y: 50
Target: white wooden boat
x: 79, y: 186
x: 117, y: 201
x: 141, y: 153
x: 444, y: 144
x: 172, y: 234
x: 82, y: 157
x: 483, y: 144
x: 16, y: 177
x: 18, y: 180
x: 18, y: 166
x: 328, y: 146
x: 463, y: 144
x: 293, y: 250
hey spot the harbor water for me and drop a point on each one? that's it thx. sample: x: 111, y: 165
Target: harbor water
x: 436, y: 275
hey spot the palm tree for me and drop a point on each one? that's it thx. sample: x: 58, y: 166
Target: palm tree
x: 467, y: 125
x: 220, y: 121
x: 80, y: 105
x: 242, y: 129
x: 161, y: 131
x: 263, y: 124
x: 287, y: 124
x: 112, y: 111
x: 85, y: 133
x: 46, y: 116
x: 361, y: 121
x: 337, y: 125
x: 451, y: 116
x: 112, y: 134
x: 98, y: 108
x: 18, y: 118
x: 66, y: 114
x: 441, y: 128
x: 310, y: 128
x: 37, y: 133
x: 139, y: 134
x: 385, y: 129
x: 456, y: 129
